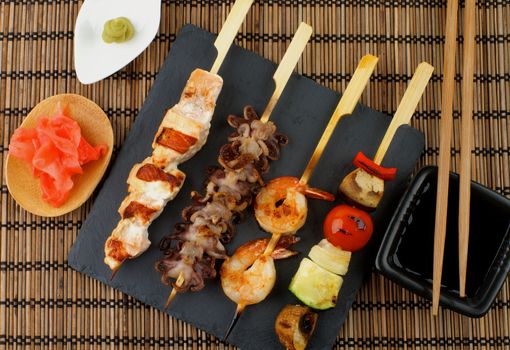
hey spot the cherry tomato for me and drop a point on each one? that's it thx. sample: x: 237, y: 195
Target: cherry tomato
x: 348, y: 228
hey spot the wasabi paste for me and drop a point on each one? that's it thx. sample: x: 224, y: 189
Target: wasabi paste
x: 118, y: 30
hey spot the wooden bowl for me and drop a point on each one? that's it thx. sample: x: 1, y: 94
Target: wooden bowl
x: 96, y: 129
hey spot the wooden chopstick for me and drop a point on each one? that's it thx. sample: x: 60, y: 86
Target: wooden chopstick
x: 445, y: 135
x: 466, y: 140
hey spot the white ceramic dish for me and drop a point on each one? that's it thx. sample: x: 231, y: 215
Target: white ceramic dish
x: 93, y: 58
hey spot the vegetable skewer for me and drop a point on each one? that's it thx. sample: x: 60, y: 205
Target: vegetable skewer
x: 230, y: 189
x: 182, y: 133
x: 281, y: 209
x: 347, y: 229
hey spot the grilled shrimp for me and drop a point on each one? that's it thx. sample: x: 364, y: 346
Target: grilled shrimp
x: 248, y: 276
x: 281, y: 206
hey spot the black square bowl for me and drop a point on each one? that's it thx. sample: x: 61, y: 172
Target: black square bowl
x: 406, y: 252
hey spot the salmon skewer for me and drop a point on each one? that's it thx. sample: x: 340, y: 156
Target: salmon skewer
x: 156, y: 181
x: 182, y: 133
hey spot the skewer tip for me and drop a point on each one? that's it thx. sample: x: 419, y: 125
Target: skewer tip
x: 237, y: 314
x: 114, y: 272
x: 171, y: 297
x: 178, y: 283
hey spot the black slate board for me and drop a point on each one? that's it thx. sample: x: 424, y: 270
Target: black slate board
x: 302, y: 114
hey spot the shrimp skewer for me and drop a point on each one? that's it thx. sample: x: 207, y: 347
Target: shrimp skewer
x: 281, y: 206
x: 230, y: 190
x: 249, y: 274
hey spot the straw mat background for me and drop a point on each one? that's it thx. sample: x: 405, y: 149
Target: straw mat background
x: 46, y: 305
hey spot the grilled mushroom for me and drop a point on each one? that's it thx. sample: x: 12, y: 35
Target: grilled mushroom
x: 362, y: 189
x: 294, y: 326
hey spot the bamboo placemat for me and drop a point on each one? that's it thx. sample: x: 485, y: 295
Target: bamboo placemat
x: 46, y: 305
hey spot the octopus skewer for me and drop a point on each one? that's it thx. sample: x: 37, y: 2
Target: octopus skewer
x: 210, y: 221
x: 281, y: 209
x: 182, y: 133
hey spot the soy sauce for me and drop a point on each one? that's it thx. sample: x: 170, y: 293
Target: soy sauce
x: 488, y: 230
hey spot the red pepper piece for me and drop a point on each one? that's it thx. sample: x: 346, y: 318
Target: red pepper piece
x: 367, y: 164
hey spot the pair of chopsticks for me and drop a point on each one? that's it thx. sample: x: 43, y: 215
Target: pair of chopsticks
x: 445, y: 141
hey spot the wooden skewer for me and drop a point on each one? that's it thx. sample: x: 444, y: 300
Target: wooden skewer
x: 239, y: 310
x: 406, y: 107
x: 280, y: 77
x: 465, y: 139
x: 229, y: 31
x: 448, y: 90
x: 346, y: 105
x: 114, y: 272
x: 223, y: 42
x: 275, y: 237
x: 287, y: 65
x: 178, y: 283
x: 402, y: 116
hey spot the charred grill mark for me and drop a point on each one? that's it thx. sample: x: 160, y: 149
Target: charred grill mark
x: 189, y: 91
x: 150, y: 172
x: 116, y: 250
x: 359, y: 222
x: 175, y: 140
x: 137, y: 209
x: 343, y: 231
x: 285, y: 324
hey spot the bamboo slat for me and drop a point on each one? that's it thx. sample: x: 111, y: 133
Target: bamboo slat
x: 46, y: 305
